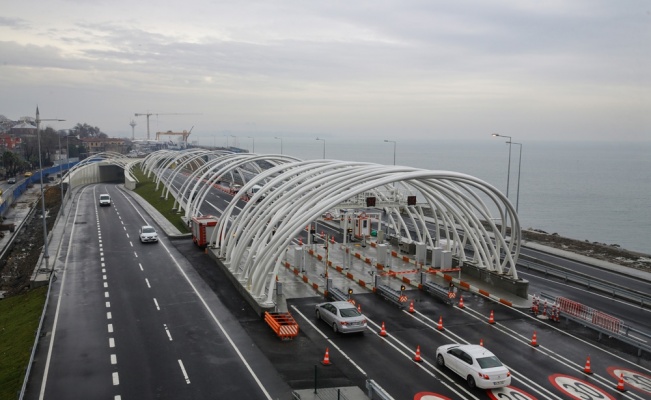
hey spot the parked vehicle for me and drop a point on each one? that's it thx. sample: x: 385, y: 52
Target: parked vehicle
x: 477, y: 365
x: 342, y: 316
x: 148, y: 234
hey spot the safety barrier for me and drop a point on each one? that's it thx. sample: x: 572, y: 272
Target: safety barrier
x: 394, y: 296
x: 438, y: 291
x: 336, y: 294
x: 283, y: 324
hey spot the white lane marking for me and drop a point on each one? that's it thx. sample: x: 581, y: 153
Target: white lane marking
x: 116, y: 379
x: 105, y: 284
x: 148, y: 285
x: 156, y: 302
x: 169, y: 335
x: 127, y: 235
x: 101, y: 259
x: 110, y: 328
x: 114, y: 359
x: 109, y: 315
x: 135, y: 254
x: 185, y: 374
x: 103, y: 265
x: 131, y: 243
x: 108, y: 304
x: 106, y: 294
x: 117, y: 397
x: 111, y: 342
x: 124, y: 227
x: 140, y: 265
x: 104, y: 277
x: 103, y: 270
x: 100, y: 240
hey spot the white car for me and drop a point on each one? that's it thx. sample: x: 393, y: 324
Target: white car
x: 11, y: 180
x: 104, y: 200
x: 478, y: 366
x: 342, y: 316
x: 148, y: 234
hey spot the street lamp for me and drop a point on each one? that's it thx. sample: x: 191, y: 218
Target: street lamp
x: 508, y: 171
x: 253, y: 141
x: 517, y: 198
x: 323, y: 147
x: 281, y: 144
x: 394, y: 150
x: 46, y: 256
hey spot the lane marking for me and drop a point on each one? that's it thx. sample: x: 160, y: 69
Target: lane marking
x: 104, y: 277
x: 135, y: 254
x: 148, y: 285
x: 109, y: 315
x: 169, y: 335
x: 108, y: 304
x: 140, y: 265
x: 106, y: 284
x: 185, y: 374
x: 156, y: 302
x: 106, y: 294
x: 114, y: 359
x: 127, y: 236
x: 116, y: 379
x: 110, y: 328
x: 111, y: 342
x: 131, y: 243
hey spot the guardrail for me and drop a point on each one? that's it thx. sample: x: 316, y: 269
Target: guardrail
x: 601, y: 322
x: 376, y: 391
x: 282, y: 323
x: 394, y: 296
x: 438, y: 291
x: 616, y: 291
x: 337, y: 294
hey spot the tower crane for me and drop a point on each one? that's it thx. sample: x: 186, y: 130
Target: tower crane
x: 157, y: 114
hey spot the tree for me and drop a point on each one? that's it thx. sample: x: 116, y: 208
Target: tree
x: 85, y: 131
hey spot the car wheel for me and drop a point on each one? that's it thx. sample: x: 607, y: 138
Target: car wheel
x: 318, y: 314
x: 440, y: 360
x: 471, y: 382
x: 334, y: 327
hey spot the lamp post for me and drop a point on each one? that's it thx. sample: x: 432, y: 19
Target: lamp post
x: 517, y: 198
x: 61, y: 176
x: 46, y: 256
x: 281, y: 144
x: 508, y: 171
x: 323, y: 147
x: 253, y: 143
x: 394, y: 150
x: 234, y: 140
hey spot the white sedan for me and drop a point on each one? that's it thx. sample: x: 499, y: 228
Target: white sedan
x: 478, y: 366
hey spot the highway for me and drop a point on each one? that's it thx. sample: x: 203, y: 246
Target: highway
x: 162, y: 321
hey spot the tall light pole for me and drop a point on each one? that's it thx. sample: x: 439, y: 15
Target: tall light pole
x: 253, y: 142
x: 281, y: 144
x: 508, y: 171
x: 323, y: 147
x: 61, y: 176
x: 517, y: 198
x: 234, y: 140
x: 394, y: 150
x: 46, y: 255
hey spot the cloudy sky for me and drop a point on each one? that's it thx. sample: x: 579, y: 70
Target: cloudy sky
x: 557, y: 69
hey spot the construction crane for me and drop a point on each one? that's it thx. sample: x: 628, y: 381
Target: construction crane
x: 185, y: 134
x: 157, y: 114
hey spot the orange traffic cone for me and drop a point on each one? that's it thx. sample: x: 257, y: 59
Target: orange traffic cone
x: 588, y: 368
x: 411, y: 307
x: 359, y: 308
x: 300, y: 241
x: 461, y: 302
x: 417, y: 356
x: 620, y: 384
x: 440, y: 325
x: 383, y: 332
x: 481, y: 342
x: 534, y: 340
x: 326, y: 358
x: 491, y: 318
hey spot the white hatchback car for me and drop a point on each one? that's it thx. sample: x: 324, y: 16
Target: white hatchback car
x: 148, y: 234
x: 478, y: 366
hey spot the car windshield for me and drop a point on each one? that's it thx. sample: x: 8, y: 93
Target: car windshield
x: 489, y: 362
x: 349, y: 312
x: 104, y: 197
x: 148, y: 230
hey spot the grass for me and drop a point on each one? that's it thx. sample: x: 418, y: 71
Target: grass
x: 19, y: 316
x: 146, y: 188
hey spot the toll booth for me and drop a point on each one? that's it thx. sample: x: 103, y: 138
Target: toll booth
x: 362, y: 226
x: 202, y: 229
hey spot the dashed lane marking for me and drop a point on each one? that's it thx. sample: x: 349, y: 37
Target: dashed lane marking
x: 185, y: 374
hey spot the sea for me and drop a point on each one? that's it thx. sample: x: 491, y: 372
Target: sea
x: 594, y: 191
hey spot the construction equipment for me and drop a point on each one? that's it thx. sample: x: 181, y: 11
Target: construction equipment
x: 157, y: 114
x: 185, y: 134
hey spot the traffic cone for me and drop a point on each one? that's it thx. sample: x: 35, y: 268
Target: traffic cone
x: 620, y: 384
x: 383, y: 332
x: 326, y: 358
x: 440, y: 325
x: 411, y: 307
x: 481, y: 342
x: 359, y: 308
x: 587, y: 369
x: 461, y: 302
x: 491, y: 318
x: 417, y: 356
x: 332, y: 239
x: 300, y: 241
x: 534, y: 340
x: 322, y: 234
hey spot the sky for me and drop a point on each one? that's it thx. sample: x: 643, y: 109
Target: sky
x: 575, y: 70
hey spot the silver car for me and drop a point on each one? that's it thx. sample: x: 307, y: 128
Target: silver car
x: 342, y: 316
x: 148, y: 234
x: 474, y: 363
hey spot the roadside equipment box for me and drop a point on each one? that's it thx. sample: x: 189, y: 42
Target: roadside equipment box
x: 202, y: 229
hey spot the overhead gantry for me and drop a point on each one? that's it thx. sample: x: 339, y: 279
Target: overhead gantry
x: 458, y: 212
